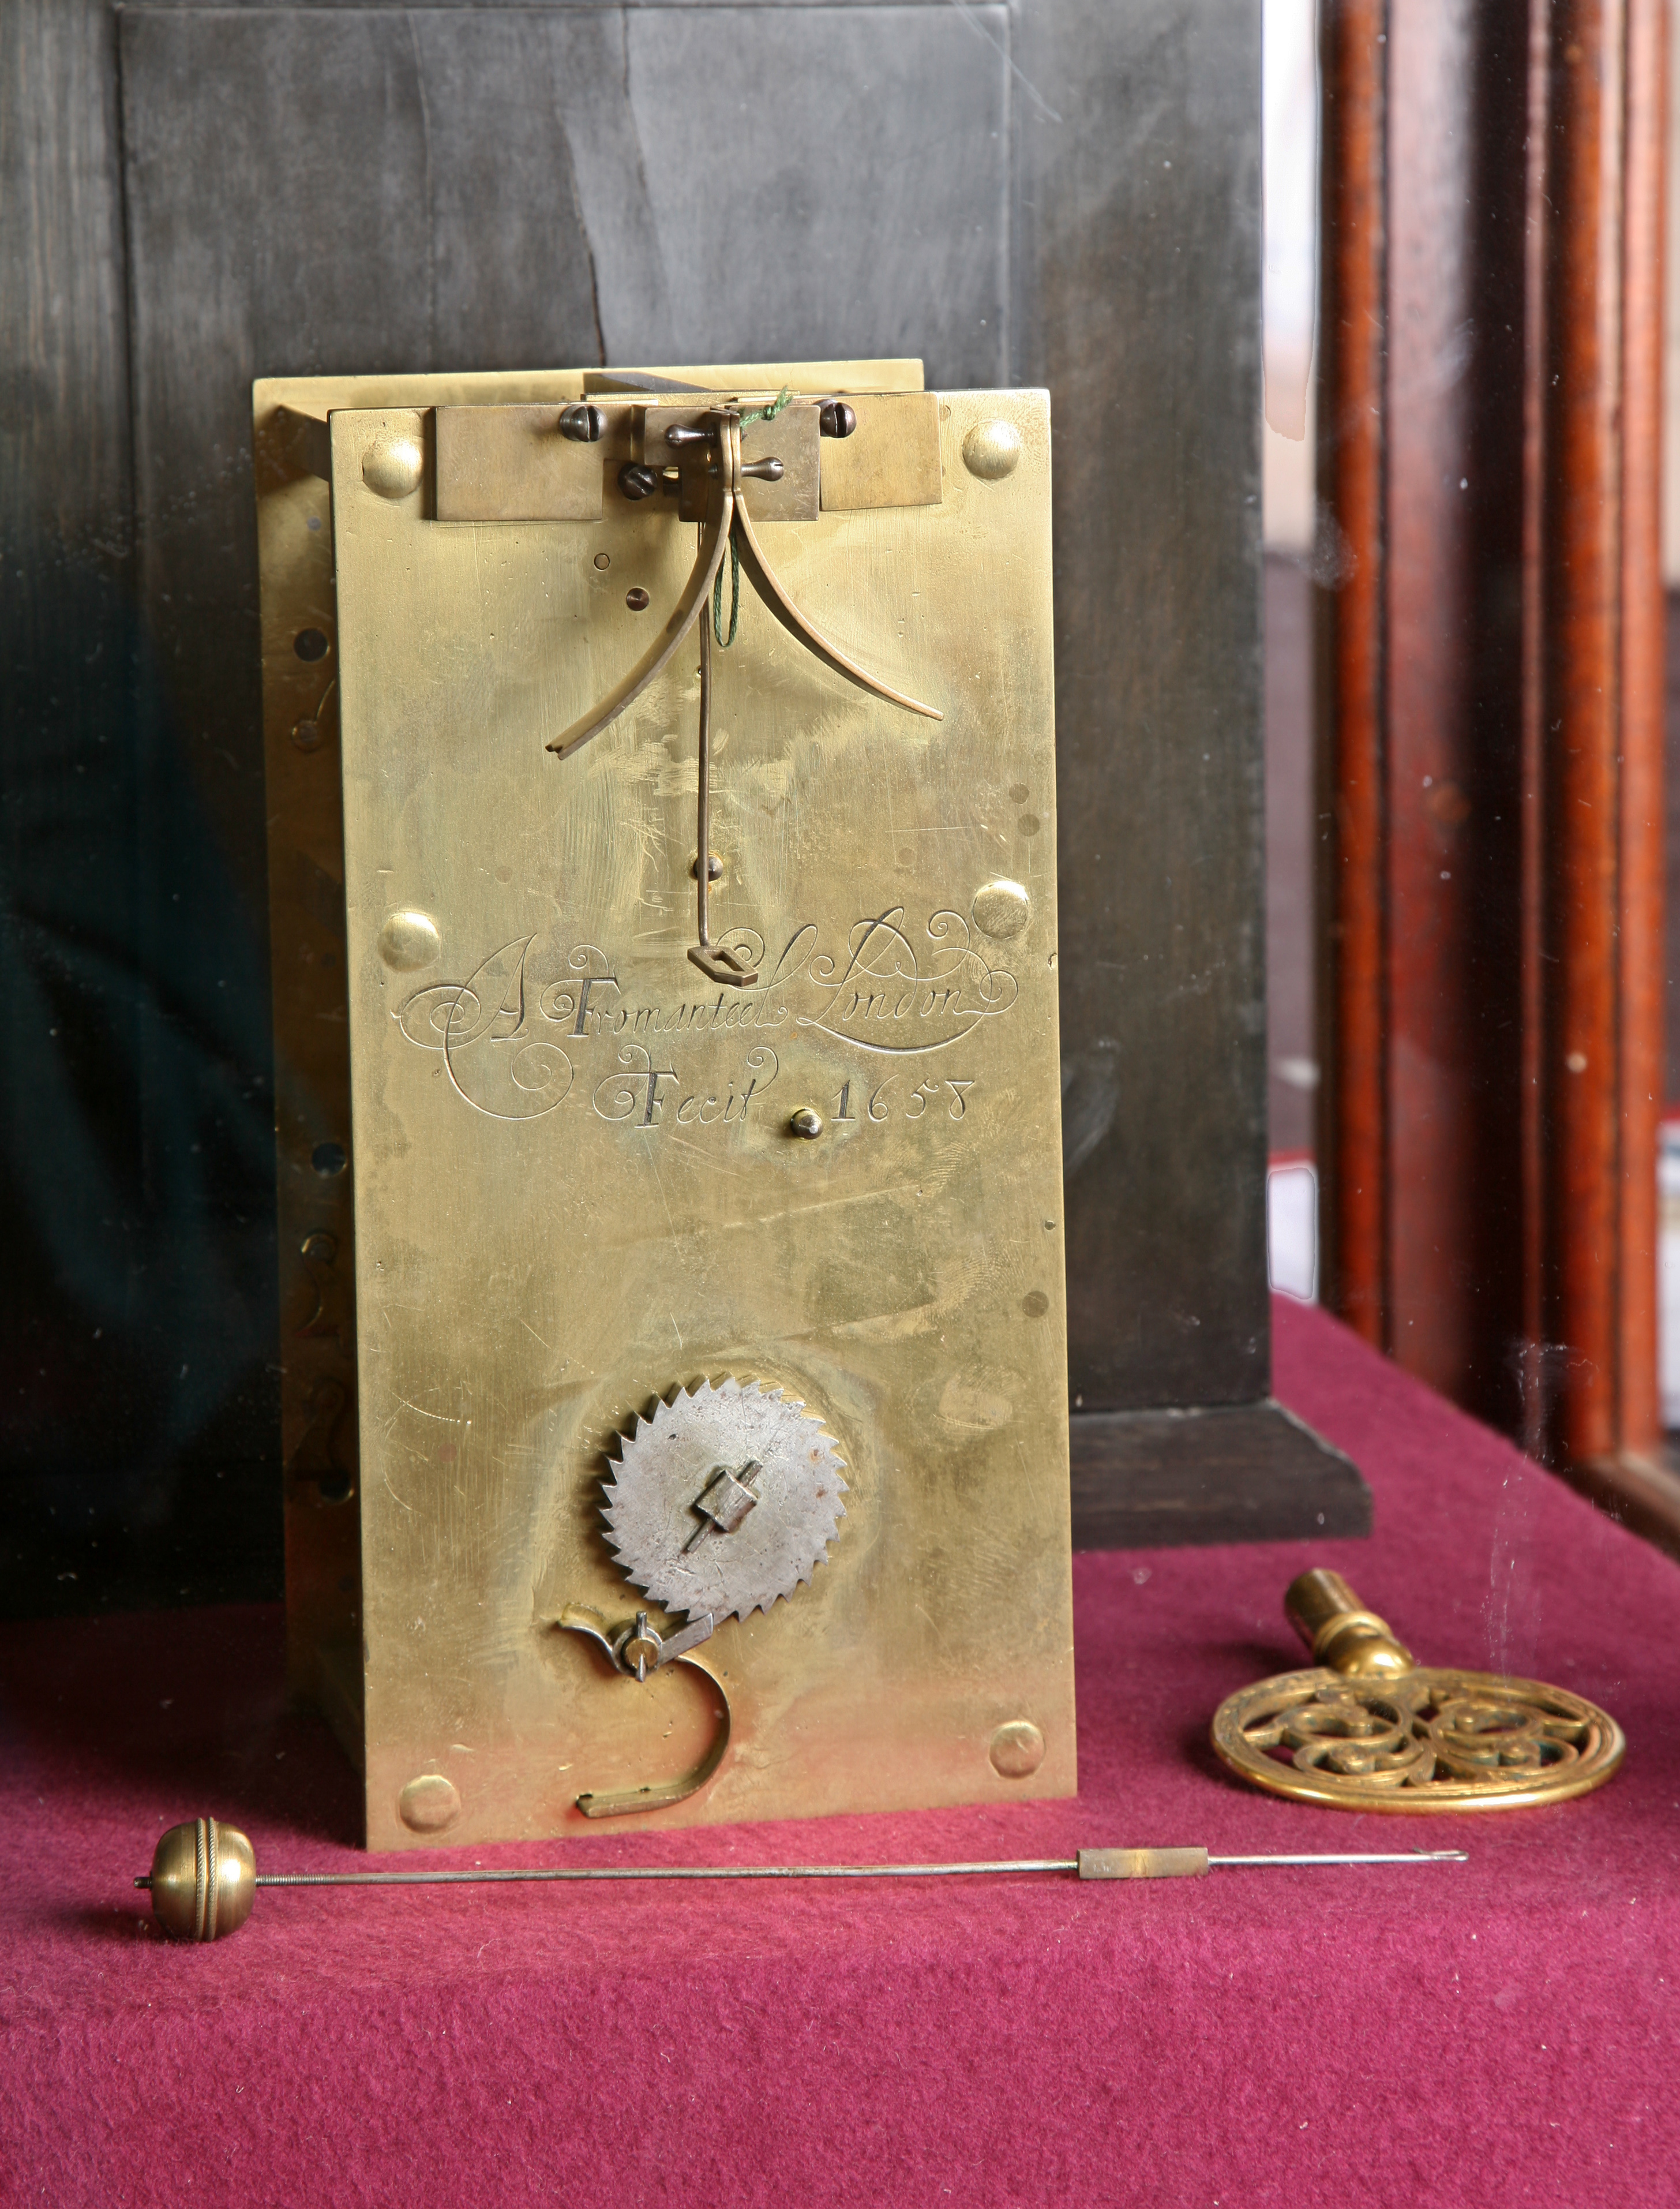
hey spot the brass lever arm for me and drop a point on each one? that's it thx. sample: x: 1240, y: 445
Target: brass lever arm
x: 728, y: 510
x: 770, y: 590
x: 578, y: 1618
x: 696, y: 593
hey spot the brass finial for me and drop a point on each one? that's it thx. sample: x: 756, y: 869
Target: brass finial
x: 1326, y: 1615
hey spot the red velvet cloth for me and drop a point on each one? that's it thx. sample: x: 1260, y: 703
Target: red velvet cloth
x: 1498, y: 2033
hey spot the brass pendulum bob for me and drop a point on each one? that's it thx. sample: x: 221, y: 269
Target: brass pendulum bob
x: 203, y: 1880
x: 1369, y: 1729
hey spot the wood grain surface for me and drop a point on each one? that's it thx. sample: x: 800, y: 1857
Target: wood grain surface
x: 1515, y: 857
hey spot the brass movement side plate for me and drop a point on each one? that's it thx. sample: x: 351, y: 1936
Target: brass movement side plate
x: 540, y: 1176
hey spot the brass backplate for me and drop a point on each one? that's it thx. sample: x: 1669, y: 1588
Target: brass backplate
x: 536, y: 1172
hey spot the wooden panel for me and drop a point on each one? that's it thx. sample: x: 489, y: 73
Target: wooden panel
x: 1353, y: 893
x: 1433, y: 791
x: 1583, y: 579
x: 67, y: 877
x: 1233, y: 1472
x: 65, y: 456
x: 1137, y: 223
x: 1514, y: 858
x: 1642, y: 939
x: 1140, y: 221
x: 1534, y: 1384
x: 137, y: 1164
x: 1453, y: 578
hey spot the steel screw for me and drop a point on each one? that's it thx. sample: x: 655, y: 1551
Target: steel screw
x: 805, y: 1122
x: 639, y: 1649
x: 583, y: 424
x: 836, y: 420
x: 636, y: 481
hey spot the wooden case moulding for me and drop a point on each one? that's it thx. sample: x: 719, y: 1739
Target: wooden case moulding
x: 1493, y: 722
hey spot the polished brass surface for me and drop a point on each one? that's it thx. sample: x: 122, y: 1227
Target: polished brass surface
x: 300, y: 439
x: 1367, y: 1729
x: 1017, y: 1749
x: 1143, y: 1863
x: 1088, y: 1864
x: 431, y: 1803
x: 395, y: 467
x: 202, y: 1880
x: 1326, y: 1615
x: 893, y: 455
x: 514, y: 464
x: 799, y: 624
x: 991, y: 449
x: 575, y: 1184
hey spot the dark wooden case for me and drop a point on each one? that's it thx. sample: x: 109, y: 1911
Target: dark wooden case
x: 1061, y: 192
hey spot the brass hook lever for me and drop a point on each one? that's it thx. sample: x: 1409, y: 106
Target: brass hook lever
x: 636, y: 1650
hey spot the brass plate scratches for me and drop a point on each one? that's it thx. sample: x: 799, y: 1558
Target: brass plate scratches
x: 575, y: 1183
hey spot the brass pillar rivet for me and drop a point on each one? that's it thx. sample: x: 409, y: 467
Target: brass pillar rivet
x: 393, y: 468
x: 991, y: 450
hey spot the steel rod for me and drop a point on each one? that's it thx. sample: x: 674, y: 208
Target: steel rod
x: 1407, y: 1856
x: 703, y: 808
x: 788, y: 1871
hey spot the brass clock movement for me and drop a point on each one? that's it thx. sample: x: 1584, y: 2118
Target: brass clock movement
x: 661, y: 772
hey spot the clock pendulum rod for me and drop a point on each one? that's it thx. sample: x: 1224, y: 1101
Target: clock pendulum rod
x: 204, y: 1877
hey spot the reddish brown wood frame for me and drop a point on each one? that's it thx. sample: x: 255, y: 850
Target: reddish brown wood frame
x: 1492, y: 699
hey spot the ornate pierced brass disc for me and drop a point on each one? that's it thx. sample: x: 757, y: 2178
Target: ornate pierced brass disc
x: 1368, y: 1729
x: 1427, y: 1739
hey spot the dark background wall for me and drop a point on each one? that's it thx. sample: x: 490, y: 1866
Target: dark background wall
x: 1052, y: 191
